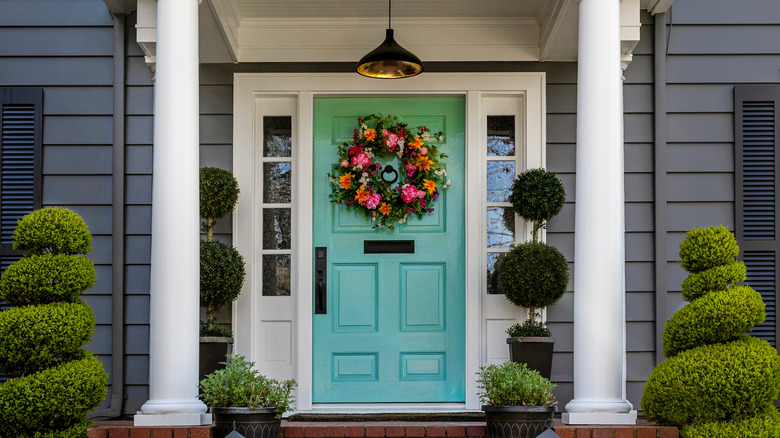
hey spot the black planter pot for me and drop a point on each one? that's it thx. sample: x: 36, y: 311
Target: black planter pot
x: 537, y: 352
x: 518, y: 421
x: 213, y: 350
x: 249, y: 422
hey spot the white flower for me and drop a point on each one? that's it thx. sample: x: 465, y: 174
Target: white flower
x: 441, y: 138
x: 426, y: 136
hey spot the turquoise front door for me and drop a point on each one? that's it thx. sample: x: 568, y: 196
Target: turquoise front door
x: 394, y: 330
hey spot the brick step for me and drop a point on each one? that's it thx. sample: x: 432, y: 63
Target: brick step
x: 384, y: 429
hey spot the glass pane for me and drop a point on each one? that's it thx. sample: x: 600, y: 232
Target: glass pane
x: 276, y: 275
x: 500, y: 227
x: 500, y: 177
x: 501, y: 136
x: 493, y: 265
x: 276, y: 182
x: 276, y: 228
x: 277, y: 136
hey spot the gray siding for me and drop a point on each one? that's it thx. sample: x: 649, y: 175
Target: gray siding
x: 67, y: 48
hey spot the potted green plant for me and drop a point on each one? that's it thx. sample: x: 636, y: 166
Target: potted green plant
x: 533, y: 274
x: 518, y: 402
x: 242, y: 399
x: 222, y: 269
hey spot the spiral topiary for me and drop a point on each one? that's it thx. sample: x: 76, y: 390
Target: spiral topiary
x: 56, y: 382
x: 718, y: 381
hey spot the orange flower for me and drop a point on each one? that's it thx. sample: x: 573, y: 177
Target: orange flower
x: 417, y: 142
x: 424, y: 163
x: 429, y: 185
x: 370, y: 134
x: 345, y: 181
x: 385, y: 209
x: 361, y: 194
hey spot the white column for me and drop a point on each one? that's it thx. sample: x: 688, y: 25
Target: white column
x: 174, y: 288
x: 599, y: 249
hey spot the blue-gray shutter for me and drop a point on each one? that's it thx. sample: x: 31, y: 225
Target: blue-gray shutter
x: 756, y: 132
x: 21, y: 124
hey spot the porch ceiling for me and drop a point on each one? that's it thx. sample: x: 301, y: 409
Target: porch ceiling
x: 345, y: 30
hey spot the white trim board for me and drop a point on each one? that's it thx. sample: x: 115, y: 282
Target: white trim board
x: 258, y: 94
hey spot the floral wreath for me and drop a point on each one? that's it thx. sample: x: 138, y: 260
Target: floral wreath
x: 363, y: 184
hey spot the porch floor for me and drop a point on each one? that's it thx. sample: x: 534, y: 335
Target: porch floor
x: 381, y: 429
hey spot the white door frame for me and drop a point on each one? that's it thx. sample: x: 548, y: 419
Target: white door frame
x: 283, y: 325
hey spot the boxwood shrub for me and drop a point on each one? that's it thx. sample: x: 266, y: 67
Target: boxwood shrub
x: 704, y: 248
x: 719, y: 382
x: 53, y: 399
x: 47, y: 278
x: 717, y: 278
x: 533, y: 275
x: 36, y: 337
x: 716, y: 317
x: 766, y: 425
x: 52, y: 230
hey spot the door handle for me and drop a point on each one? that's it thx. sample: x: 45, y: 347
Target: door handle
x: 321, y: 280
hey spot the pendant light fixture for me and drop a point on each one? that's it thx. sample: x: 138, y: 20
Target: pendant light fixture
x: 389, y: 60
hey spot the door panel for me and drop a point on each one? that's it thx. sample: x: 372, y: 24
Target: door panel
x: 395, y: 327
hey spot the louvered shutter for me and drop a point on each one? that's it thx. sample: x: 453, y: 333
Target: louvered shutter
x: 20, y: 162
x: 756, y: 186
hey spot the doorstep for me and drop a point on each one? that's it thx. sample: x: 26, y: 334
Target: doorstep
x: 381, y: 429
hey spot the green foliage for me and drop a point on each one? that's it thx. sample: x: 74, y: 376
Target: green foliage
x: 716, y: 278
x: 766, y: 425
x: 47, y: 278
x: 55, y: 381
x: 533, y: 274
x: 240, y: 385
x: 705, y: 248
x: 530, y: 328
x: 222, y: 274
x: 218, y: 192
x: 214, y: 330
x: 537, y: 195
x: 513, y: 384
x: 719, y: 382
x: 36, y: 337
x: 52, y: 230
x: 52, y: 399
x: 716, y: 317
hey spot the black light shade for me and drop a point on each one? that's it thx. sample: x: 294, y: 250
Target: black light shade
x: 389, y: 61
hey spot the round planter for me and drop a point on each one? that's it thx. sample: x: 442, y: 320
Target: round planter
x: 537, y: 352
x: 517, y: 421
x: 249, y: 422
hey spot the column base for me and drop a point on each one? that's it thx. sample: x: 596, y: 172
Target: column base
x: 151, y: 420
x: 599, y: 418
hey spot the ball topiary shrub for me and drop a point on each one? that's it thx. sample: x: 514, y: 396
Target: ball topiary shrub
x: 218, y: 195
x: 55, y: 381
x: 533, y: 275
x: 222, y: 268
x: 537, y: 196
x: 717, y: 380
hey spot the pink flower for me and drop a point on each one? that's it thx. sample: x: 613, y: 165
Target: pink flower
x: 372, y: 201
x: 344, y: 163
x: 392, y: 139
x: 361, y: 160
x: 421, y: 194
x: 410, y: 166
x: 409, y: 193
x: 423, y: 150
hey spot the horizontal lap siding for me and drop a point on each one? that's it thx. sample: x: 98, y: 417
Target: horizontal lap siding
x: 67, y: 48
x: 713, y: 46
